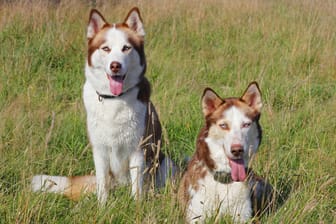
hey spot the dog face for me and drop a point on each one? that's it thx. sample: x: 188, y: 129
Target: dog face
x: 233, y: 129
x: 116, y: 59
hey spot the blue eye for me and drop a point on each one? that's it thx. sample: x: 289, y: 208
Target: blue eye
x: 106, y: 49
x: 224, y: 126
x: 126, y: 48
x: 246, y: 124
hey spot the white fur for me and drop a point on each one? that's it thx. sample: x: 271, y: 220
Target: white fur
x: 220, y: 147
x: 55, y: 184
x: 115, y: 128
x: 218, y: 155
x: 212, y: 196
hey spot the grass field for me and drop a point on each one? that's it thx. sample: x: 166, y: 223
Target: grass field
x: 289, y: 47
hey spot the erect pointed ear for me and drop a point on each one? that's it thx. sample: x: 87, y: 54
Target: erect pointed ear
x: 96, y: 23
x: 252, y: 96
x: 210, y: 101
x: 134, y: 21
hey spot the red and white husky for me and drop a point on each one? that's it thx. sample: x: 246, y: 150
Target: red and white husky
x: 122, y: 123
x: 216, y: 182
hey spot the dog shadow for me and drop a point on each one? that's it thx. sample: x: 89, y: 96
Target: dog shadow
x: 267, y: 199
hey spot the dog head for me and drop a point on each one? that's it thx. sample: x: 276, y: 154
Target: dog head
x: 233, y: 131
x: 116, y: 58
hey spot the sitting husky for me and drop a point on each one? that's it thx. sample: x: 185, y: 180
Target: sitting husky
x: 122, y: 123
x: 217, y: 181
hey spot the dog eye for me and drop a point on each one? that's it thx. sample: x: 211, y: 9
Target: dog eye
x: 106, y: 49
x: 224, y: 126
x: 246, y: 124
x: 126, y: 48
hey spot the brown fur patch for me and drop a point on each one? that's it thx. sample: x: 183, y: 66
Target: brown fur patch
x: 95, y: 42
x: 80, y: 185
x: 135, y: 40
x: 202, y: 152
x: 230, y: 102
x: 196, y: 170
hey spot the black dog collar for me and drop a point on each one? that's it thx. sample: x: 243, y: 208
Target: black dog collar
x: 103, y: 96
x: 223, y: 177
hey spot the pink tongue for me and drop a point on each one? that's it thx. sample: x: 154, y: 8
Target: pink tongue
x: 116, y: 84
x: 237, y: 169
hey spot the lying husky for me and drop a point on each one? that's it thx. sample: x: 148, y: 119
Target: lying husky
x: 217, y: 182
x: 123, y: 126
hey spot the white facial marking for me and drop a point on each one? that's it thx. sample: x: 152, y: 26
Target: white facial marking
x: 115, y: 48
x: 237, y: 133
x: 231, y: 129
x: 115, y: 41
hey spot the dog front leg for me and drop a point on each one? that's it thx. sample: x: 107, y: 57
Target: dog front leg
x: 103, y: 177
x: 137, y: 166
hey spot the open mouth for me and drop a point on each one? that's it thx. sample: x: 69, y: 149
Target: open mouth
x: 238, y: 172
x: 116, y: 83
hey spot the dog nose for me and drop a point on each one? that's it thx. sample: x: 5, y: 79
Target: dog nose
x: 115, y: 66
x: 237, y: 150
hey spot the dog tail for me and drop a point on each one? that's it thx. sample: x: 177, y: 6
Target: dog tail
x: 71, y: 187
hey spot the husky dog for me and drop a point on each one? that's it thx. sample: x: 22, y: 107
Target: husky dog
x: 217, y: 182
x: 123, y: 126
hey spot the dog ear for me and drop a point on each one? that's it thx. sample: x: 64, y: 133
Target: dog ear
x: 252, y: 96
x: 210, y: 101
x: 134, y: 21
x: 96, y: 23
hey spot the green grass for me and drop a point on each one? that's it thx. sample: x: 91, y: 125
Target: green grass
x: 287, y: 46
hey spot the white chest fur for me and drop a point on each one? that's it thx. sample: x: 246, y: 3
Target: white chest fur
x: 212, y: 198
x: 115, y: 126
x: 114, y: 121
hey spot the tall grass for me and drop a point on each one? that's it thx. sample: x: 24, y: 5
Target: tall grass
x: 289, y: 47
